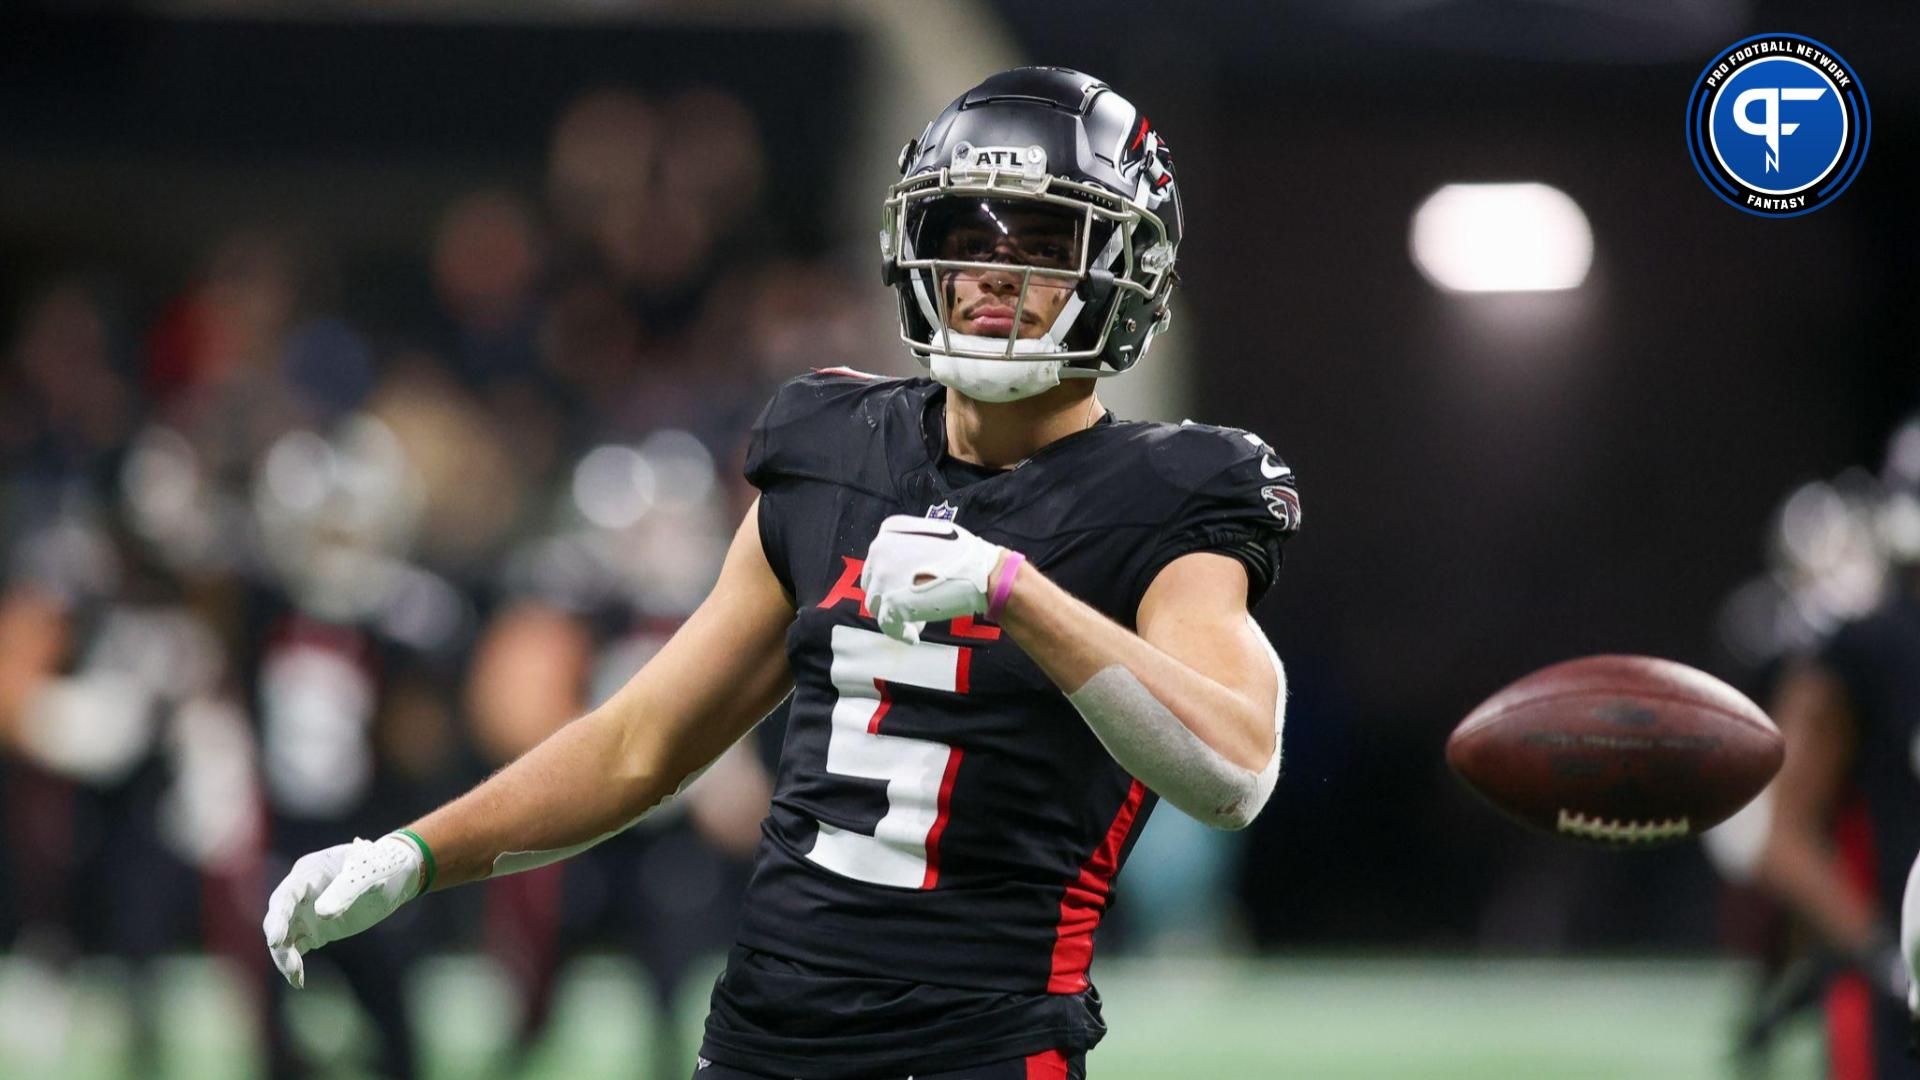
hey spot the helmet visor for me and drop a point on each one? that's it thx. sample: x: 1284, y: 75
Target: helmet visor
x: 1013, y: 232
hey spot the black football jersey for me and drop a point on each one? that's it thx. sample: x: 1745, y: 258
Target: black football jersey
x: 946, y: 830
x: 1877, y: 659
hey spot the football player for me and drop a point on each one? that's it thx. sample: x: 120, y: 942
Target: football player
x: 1007, y: 620
x: 1844, y: 829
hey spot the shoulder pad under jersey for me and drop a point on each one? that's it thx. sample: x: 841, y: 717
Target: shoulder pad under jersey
x: 822, y: 426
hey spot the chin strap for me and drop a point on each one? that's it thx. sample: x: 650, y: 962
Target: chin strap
x: 998, y: 380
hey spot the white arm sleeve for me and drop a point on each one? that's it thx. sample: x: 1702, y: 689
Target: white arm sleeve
x: 1150, y: 742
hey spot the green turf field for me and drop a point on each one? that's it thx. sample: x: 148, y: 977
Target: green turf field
x: 1319, y: 1019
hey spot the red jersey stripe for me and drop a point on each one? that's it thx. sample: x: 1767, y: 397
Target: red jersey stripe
x: 1849, y: 1001
x: 1849, y: 1008
x: 886, y: 702
x: 1085, y: 900
x: 1047, y: 1065
x: 940, y: 820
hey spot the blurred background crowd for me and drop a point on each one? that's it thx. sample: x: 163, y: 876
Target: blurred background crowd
x: 374, y: 383
x: 305, y: 532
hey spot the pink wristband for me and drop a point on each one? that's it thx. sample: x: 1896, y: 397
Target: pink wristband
x: 1003, y: 588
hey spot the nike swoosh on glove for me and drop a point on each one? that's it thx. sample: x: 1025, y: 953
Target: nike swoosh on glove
x: 337, y: 892
x: 920, y: 570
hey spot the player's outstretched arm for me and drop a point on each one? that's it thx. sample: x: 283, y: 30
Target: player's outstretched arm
x: 718, y: 675
x: 1190, y: 705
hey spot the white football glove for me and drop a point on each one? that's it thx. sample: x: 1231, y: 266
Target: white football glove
x: 335, y: 893
x: 921, y: 570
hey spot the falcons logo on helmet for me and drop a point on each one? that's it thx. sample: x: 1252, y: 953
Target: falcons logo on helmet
x: 1156, y: 170
x: 1283, y: 502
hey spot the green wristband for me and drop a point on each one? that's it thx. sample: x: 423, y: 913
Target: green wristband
x: 426, y: 856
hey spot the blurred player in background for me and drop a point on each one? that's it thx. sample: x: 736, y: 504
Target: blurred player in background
x: 1846, y: 805
x: 110, y: 685
x: 347, y: 667
x: 981, y: 717
x: 122, y: 754
x: 582, y: 606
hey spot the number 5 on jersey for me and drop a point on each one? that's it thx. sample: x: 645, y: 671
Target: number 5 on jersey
x: 904, y: 849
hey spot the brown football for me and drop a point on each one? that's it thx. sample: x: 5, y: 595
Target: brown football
x: 1623, y: 751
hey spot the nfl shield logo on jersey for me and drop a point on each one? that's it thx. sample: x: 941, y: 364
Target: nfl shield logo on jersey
x: 943, y: 512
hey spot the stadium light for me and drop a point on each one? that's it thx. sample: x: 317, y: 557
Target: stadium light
x: 1527, y: 237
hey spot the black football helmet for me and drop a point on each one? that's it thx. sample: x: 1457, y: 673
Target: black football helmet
x: 1049, y: 174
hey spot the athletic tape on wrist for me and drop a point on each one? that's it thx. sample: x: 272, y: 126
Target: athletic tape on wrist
x: 426, y: 857
x: 1003, y: 588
